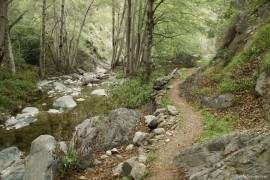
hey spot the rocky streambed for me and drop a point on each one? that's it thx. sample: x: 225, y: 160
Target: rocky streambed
x: 64, y: 102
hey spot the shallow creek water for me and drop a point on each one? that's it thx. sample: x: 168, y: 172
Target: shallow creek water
x: 58, y: 125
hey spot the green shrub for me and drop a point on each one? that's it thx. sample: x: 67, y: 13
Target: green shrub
x: 68, y: 163
x: 133, y: 93
x: 203, y: 61
x: 165, y: 100
x: 239, y: 85
x: 201, y: 91
x: 18, y: 89
x: 208, y: 71
x: 216, y: 126
x: 151, y: 156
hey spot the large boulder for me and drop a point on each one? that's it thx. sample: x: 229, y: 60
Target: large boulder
x: 12, y: 165
x: 64, y: 102
x: 41, y: 164
x: 263, y: 84
x: 222, y: 101
x: 100, y: 133
x: 246, y: 153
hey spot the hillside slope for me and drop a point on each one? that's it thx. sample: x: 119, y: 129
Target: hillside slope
x: 236, y: 81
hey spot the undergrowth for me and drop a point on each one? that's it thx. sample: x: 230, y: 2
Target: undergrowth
x: 216, y: 126
x: 257, y: 48
x: 69, y: 162
x: 133, y: 93
x: 17, y: 89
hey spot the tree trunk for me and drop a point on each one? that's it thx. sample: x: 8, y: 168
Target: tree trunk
x: 3, y: 24
x: 128, y: 36
x: 119, y: 41
x: 42, y: 42
x: 140, y: 39
x: 113, y: 36
x: 61, y: 37
x: 149, y: 40
x: 9, y: 53
x: 133, y: 39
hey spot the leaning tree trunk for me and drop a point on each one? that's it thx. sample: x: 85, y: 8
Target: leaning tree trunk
x: 9, y: 53
x: 3, y: 24
x: 42, y: 43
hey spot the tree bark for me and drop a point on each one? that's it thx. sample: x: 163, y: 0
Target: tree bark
x: 113, y: 36
x: 61, y: 37
x: 9, y: 53
x: 42, y: 42
x: 149, y: 40
x: 3, y: 24
x: 128, y: 36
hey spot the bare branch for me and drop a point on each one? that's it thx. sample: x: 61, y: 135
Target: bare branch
x: 17, y: 20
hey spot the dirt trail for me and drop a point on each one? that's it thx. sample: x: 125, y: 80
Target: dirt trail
x: 164, y: 168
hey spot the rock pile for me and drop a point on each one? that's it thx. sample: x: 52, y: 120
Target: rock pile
x: 157, y: 123
x: 160, y: 85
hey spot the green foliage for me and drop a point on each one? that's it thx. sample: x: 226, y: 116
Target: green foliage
x: 201, y: 91
x: 18, y: 89
x: 133, y: 93
x: 26, y: 43
x: 203, y: 61
x: 183, y: 72
x: 259, y: 45
x: 217, y: 126
x: 208, y: 71
x: 237, y: 85
x: 151, y: 156
x: 165, y: 100
x: 68, y: 163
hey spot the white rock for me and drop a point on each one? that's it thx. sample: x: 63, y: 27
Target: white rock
x: 117, y: 171
x: 75, y: 94
x: 172, y: 110
x: 97, y: 162
x: 138, y: 170
x: 11, y: 122
x: 119, y: 157
x: 100, y: 92
x: 54, y: 111
x: 80, y: 100
x: 108, y: 153
x: 139, y: 138
x: 59, y: 86
x: 65, y: 102
x: 142, y: 158
x: 149, y: 119
x: 104, y: 156
x: 31, y: 110
x: 159, y: 131
x: 114, y: 151
x: 129, y: 147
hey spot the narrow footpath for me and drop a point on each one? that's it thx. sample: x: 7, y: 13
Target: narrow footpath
x: 163, y: 168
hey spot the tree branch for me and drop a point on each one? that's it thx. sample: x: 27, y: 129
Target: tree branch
x: 17, y: 20
x: 160, y: 2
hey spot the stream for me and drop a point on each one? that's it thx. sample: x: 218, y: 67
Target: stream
x: 58, y: 125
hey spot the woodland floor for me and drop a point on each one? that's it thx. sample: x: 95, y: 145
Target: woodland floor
x: 192, y: 126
